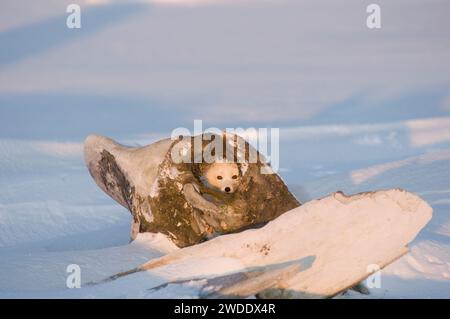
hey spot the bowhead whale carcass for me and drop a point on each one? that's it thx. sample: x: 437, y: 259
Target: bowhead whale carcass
x: 163, y: 185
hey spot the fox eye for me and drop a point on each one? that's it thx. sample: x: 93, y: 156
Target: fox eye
x: 219, y: 177
x: 234, y: 176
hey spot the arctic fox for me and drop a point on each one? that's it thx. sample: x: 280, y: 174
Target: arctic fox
x: 224, y: 177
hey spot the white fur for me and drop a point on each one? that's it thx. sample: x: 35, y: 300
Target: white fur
x: 222, y: 176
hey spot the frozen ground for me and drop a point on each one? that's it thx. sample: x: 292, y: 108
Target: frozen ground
x: 362, y: 112
x: 54, y: 215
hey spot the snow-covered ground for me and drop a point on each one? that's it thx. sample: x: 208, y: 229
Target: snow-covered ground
x: 358, y: 110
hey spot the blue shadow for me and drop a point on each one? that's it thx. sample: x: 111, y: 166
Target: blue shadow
x: 26, y: 41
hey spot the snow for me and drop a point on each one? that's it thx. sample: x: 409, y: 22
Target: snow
x: 365, y: 112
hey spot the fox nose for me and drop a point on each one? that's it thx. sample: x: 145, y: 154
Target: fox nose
x: 227, y: 189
